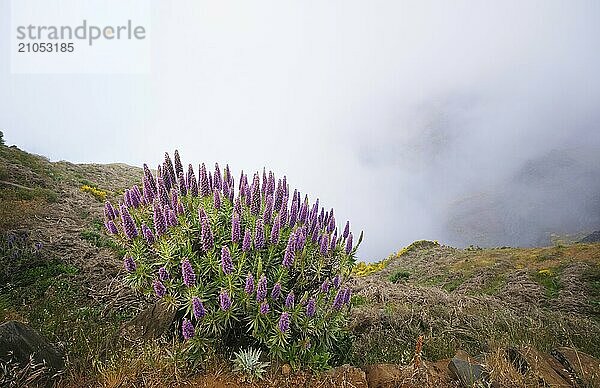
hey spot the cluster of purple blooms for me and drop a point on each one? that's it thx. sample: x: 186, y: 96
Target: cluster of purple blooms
x: 277, y: 219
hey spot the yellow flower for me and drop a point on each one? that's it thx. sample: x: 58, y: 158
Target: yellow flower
x: 100, y: 195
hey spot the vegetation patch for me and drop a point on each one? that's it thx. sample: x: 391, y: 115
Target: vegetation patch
x: 494, y: 285
x: 95, y: 192
x: 358, y: 300
x: 364, y: 269
x: 550, y: 279
x: 245, y: 271
x: 399, y: 275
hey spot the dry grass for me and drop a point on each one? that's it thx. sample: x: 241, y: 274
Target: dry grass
x: 493, y: 304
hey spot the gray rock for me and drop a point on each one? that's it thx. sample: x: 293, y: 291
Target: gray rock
x: 527, y: 360
x: 19, y: 342
x: 591, y: 238
x: 467, y: 370
x: 150, y: 323
x: 584, y: 369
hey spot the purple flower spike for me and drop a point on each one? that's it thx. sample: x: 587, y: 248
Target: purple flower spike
x: 338, y: 302
x: 290, y: 300
x: 192, y: 184
x: 111, y: 227
x: 247, y: 244
x: 237, y: 207
x: 235, y: 228
x: 325, y: 286
x: 264, y: 308
x: 268, y: 213
x: 187, y: 329
x: 151, y: 182
x: 249, y: 289
x: 283, y: 211
x: 288, y: 256
x: 226, y: 263
x: 331, y: 225
x: 147, y: 189
x: 198, y: 308
x: 248, y: 195
x: 163, y: 275
x: 174, y: 200
x: 224, y: 300
x: 159, y: 288
x: 333, y: 242
x: 217, y: 199
x: 127, y: 198
x: 349, y: 244
x: 261, y: 290
x: 346, y: 230
x: 315, y: 235
x: 160, y: 222
x: 275, y: 231
x: 171, y: 218
x: 207, y: 236
x: 135, y: 197
x: 228, y: 175
x: 347, y: 295
x: 138, y: 194
x: 300, y: 238
x: 311, y: 308
x: 279, y: 193
x: 180, y: 209
x: 182, y: 185
x: 264, y: 182
x: 336, y: 281
x: 255, y: 206
x: 284, y: 322
x: 324, y: 244
x: 148, y: 235
x: 128, y: 223
x: 259, y: 235
x: 163, y: 194
x: 178, y: 165
x: 303, y: 210
x: 226, y: 189
x: 168, y: 166
x: 187, y: 272
x: 276, y: 292
x: 204, y: 183
x: 129, y: 264
x: 202, y: 215
x: 109, y: 211
x: 218, y: 178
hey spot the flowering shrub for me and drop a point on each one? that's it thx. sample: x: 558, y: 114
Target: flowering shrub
x: 100, y: 195
x: 365, y: 269
x: 257, y: 267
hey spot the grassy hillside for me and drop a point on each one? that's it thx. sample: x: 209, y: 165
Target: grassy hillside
x: 478, y: 300
x: 60, y: 273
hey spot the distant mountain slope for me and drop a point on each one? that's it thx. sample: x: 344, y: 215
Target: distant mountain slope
x: 558, y: 193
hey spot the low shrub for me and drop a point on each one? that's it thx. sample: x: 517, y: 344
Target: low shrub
x: 364, y: 269
x: 245, y: 270
x: 95, y: 192
x: 399, y: 275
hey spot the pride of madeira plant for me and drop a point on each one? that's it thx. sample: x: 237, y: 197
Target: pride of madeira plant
x: 246, y: 269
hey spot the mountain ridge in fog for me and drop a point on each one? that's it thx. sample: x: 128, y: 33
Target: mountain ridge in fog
x: 555, y: 193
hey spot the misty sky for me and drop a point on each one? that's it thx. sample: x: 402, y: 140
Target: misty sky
x: 398, y: 114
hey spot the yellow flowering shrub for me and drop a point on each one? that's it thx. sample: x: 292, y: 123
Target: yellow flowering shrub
x: 100, y: 195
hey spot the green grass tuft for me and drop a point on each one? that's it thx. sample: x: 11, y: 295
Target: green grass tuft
x: 399, y: 275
